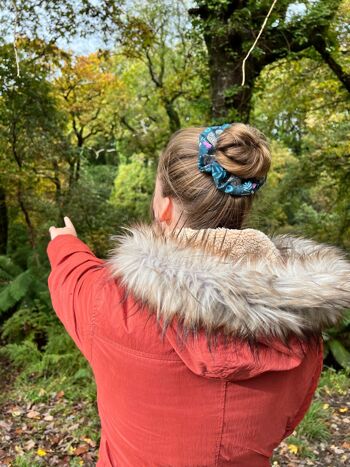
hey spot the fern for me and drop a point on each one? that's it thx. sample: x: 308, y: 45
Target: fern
x: 15, y: 290
x: 22, y: 355
x: 28, y: 322
x: 9, y: 267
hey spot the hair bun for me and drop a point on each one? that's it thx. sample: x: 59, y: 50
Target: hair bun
x: 244, y: 151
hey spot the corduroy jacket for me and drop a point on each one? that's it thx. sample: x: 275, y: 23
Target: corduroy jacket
x: 198, y: 339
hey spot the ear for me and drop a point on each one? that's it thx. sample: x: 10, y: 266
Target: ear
x: 166, y: 211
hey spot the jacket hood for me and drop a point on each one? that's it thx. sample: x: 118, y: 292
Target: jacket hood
x: 240, y: 281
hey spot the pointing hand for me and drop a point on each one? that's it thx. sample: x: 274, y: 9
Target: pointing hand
x: 67, y: 230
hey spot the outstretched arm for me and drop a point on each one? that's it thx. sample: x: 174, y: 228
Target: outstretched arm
x: 74, y: 284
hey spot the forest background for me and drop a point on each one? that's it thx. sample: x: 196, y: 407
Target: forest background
x: 80, y: 135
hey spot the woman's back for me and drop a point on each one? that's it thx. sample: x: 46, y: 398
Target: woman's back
x: 174, y: 401
x: 157, y: 412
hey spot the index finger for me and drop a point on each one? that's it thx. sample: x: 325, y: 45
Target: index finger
x: 68, y: 222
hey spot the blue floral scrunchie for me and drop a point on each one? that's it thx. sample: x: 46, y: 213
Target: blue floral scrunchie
x: 224, y: 180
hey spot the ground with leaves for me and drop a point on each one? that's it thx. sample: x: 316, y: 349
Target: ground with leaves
x: 44, y: 426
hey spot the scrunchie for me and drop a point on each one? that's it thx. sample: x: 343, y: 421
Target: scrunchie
x: 224, y: 180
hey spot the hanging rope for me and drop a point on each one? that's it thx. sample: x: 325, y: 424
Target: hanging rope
x: 15, y: 36
x: 256, y: 40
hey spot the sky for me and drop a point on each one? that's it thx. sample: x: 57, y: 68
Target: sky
x: 84, y: 46
x: 87, y: 45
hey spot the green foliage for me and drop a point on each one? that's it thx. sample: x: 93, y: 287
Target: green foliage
x: 337, y: 341
x: 15, y: 290
x: 16, y: 284
x: 341, y: 354
x: 313, y: 126
x: 334, y: 382
x: 8, y: 269
x: 133, y: 189
x: 88, y: 205
x: 24, y: 355
x: 29, y: 322
x: 26, y: 460
x: 22, y: 288
x: 313, y: 426
x: 269, y: 214
x: 37, y: 345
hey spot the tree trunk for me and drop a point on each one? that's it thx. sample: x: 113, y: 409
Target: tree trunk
x: 3, y: 222
x: 230, y: 100
x: 174, y: 119
x: 28, y: 221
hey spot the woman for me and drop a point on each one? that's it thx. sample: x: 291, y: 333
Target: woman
x: 204, y: 337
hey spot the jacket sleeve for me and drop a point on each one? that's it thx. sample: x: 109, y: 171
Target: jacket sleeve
x: 74, y: 284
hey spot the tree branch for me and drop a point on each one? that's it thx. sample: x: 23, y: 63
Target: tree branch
x: 320, y: 45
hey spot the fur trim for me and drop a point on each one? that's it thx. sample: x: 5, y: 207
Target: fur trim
x: 288, y: 285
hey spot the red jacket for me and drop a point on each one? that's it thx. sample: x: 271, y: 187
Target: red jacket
x: 168, y: 400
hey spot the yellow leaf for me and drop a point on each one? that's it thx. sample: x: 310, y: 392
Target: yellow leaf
x: 325, y: 406
x: 89, y: 441
x: 293, y: 448
x: 71, y: 450
x: 41, y: 452
x: 343, y: 409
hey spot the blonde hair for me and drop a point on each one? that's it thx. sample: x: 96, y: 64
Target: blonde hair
x: 241, y: 149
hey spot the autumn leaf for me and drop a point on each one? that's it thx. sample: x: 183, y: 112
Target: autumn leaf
x: 33, y: 414
x: 293, y: 448
x: 84, y: 448
x: 89, y: 441
x: 29, y: 445
x: 71, y: 450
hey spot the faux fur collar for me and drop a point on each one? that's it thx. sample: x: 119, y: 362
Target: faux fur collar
x: 239, y: 281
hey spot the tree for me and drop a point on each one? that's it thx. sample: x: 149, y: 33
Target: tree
x: 48, y: 21
x: 133, y: 188
x: 83, y: 86
x: 31, y: 135
x: 230, y: 27
x: 158, y: 34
